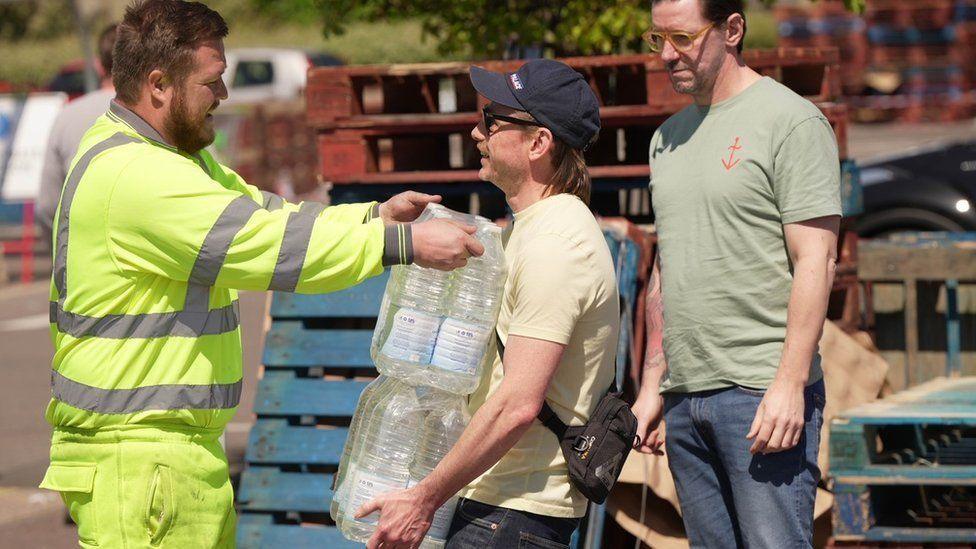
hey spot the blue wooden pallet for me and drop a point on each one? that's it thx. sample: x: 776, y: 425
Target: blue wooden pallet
x: 921, y: 514
x: 897, y: 490
x: 316, y: 354
x: 316, y: 361
x: 927, y: 435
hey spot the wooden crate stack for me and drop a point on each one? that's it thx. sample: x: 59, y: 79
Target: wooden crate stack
x: 827, y: 24
x: 920, y: 58
x: 384, y: 128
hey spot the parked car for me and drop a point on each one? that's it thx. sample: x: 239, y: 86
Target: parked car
x: 932, y: 189
x: 260, y: 74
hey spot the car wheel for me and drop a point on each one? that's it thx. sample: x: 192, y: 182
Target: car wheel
x: 903, y: 220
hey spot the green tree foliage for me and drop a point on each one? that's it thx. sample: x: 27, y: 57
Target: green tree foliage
x: 35, y: 19
x: 490, y: 28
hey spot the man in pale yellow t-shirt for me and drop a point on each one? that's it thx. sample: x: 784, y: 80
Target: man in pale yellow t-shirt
x: 558, y: 323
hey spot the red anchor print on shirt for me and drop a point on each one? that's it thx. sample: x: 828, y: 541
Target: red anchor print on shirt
x: 731, y: 164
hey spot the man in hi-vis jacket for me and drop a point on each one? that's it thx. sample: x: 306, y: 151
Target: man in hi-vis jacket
x: 153, y: 238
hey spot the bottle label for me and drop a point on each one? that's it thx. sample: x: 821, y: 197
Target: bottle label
x: 367, y: 486
x: 460, y: 346
x: 441, y: 524
x: 412, y: 336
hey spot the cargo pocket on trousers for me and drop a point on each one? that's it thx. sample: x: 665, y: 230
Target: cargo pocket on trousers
x: 160, y: 509
x: 76, y: 484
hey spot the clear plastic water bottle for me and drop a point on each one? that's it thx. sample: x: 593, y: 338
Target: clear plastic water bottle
x: 466, y: 336
x: 411, y: 314
x: 364, y: 411
x: 442, y: 429
x: 389, y: 440
x: 434, y: 326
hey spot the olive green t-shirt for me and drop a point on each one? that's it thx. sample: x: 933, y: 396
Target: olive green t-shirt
x: 724, y: 181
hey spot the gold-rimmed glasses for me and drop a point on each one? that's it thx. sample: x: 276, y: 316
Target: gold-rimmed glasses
x: 680, y: 40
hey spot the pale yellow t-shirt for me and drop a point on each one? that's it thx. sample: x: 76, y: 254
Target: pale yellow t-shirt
x: 561, y: 287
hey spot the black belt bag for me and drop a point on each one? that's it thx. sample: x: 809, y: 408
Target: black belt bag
x: 596, y: 451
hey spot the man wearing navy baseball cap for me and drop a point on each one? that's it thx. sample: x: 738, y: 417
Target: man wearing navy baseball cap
x: 558, y: 327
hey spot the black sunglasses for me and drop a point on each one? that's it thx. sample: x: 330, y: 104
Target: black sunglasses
x: 490, y: 118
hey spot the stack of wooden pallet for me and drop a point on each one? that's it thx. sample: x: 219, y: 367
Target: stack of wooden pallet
x: 905, y: 61
x: 384, y: 128
x: 918, y: 284
x: 827, y: 23
x: 903, y: 469
x: 270, y: 146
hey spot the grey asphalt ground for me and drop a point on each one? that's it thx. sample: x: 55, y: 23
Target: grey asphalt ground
x: 30, y: 517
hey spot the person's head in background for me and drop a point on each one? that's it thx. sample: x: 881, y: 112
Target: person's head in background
x: 106, y: 43
x: 168, y: 67
x: 533, y: 132
x: 698, y: 40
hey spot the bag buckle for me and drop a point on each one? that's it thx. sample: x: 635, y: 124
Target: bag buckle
x: 583, y: 443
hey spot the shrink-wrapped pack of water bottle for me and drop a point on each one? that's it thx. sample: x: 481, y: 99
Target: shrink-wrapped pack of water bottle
x: 433, y: 339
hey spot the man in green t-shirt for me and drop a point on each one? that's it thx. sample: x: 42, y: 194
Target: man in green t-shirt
x: 745, y: 186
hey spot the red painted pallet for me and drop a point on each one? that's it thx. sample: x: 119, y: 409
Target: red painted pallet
x: 336, y: 95
x: 907, y: 108
x: 918, y: 54
x: 438, y: 148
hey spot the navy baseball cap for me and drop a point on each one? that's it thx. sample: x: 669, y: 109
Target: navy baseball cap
x: 554, y: 94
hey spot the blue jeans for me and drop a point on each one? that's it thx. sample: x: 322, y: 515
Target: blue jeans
x: 729, y: 497
x: 478, y: 525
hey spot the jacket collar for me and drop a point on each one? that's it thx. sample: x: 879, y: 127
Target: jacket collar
x: 137, y: 123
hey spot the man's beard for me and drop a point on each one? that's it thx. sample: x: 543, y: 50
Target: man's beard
x: 687, y: 86
x: 188, y: 135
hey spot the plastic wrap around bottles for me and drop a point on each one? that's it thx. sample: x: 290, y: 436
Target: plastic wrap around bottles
x: 435, y: 328
x: 398, y: 435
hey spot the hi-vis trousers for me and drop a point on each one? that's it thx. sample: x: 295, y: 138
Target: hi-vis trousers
x: 144, y: 487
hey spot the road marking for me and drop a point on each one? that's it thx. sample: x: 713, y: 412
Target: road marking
x: 27, y: 323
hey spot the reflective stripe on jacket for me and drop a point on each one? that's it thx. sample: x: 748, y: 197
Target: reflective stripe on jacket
x: 150, y: 248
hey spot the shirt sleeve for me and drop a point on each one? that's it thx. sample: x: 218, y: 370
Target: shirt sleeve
x: 346, y: 213
x: 550, y: 282
x: 52, y: 179
x: 806, y: 172
x: 179, y: 223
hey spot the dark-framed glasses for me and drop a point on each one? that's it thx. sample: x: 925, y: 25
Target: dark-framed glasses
x: 680, y: 40
x: 490, y: 118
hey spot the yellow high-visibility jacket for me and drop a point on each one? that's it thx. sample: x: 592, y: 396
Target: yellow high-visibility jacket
x: 150, y: 248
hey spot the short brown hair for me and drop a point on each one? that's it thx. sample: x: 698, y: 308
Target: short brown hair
x: 718, y: 11
x: 570, y: 175
x: 160, y: 34
x: 106, y: 43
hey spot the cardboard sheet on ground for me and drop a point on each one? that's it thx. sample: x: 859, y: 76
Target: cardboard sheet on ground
x: 854, y: 375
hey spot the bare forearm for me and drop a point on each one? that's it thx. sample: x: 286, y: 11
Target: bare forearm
x: 654, y: 364
x: 493, y: 431
x: 812, y: 280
